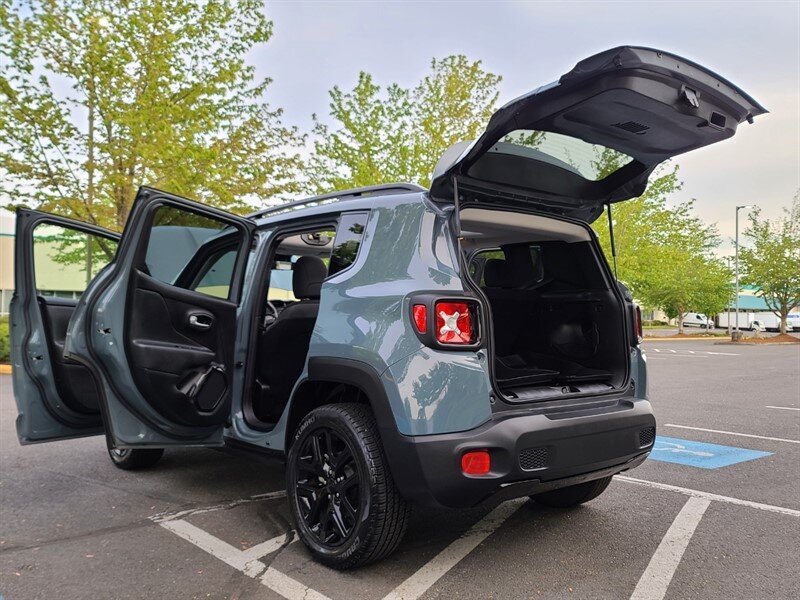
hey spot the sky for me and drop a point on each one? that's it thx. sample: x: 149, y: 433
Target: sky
x: 756, y: 45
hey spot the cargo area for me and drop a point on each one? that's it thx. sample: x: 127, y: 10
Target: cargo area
x: 558, y: 325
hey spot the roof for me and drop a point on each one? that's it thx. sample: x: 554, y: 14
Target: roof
x: 355, y: 198
x: 749, y: 302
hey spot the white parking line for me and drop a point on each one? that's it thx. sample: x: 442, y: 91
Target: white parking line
x: 215, y: 547
x: 288, y: 587
x: 416, y: 585
x: 692, y: 352
x: 656, y: 578
x: 783, y: 407
x: 708, y: 496
x: 170, y: 515
x: 748, y: 435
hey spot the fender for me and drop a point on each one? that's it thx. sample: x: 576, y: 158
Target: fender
x: 401, y: 455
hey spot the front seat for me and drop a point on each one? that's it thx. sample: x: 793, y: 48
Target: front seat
x: 283, y: 347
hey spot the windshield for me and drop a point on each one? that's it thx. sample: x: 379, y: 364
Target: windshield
x: 591, y: 161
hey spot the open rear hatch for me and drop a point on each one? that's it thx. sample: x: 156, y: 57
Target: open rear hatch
x: 594, y: 136
x: 527, y: 188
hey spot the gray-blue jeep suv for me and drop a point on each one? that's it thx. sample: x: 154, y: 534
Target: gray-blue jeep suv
x: 457, y: 346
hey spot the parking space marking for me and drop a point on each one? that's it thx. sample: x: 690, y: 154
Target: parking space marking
x: 419, y: 583
x: 783, y: 407
x: 697, y: 353
x: 179, y: 514
x: 709, y: 496
x: 228, y: 554
x: 700, y: 454
x: 247, y: 561
x: 289, y: 588
x: 749, y: 435
x: 657, y: 576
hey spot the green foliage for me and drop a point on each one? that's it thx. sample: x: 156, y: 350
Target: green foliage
x: 98, y: 97
x: 773, y: 262
x: 664, y: 251
x: 5, y: 341
x: 398, y: 134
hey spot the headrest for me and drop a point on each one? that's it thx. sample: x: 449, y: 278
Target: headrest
x: 497, y: 273
x: 307, y: 275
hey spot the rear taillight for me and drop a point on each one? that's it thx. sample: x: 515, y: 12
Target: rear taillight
x: 454, y: 323
x: 637, y: 323
x: 420, y: 314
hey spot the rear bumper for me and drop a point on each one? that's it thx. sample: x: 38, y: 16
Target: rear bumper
x: 530, y: 453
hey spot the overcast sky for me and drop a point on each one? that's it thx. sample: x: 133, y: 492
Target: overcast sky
x: 754, y: 44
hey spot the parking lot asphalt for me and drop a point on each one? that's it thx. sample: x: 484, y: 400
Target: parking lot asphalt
x: 206, y: 524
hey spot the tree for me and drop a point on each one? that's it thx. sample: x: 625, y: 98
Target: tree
x: 398, y: 134
x: 98, y: 97
x: 773, y: 262
x: 664, y: 252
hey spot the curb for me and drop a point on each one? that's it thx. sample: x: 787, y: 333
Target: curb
x: 757, y: 344
x: 5, y: 369
x: 691, y: 339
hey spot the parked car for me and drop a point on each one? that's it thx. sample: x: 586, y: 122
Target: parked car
x: 457, y: 346
x: 697, y: 320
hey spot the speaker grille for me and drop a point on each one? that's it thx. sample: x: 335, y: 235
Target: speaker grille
x: 632, y: 127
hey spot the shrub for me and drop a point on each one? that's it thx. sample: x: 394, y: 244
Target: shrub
x: 5, y: 342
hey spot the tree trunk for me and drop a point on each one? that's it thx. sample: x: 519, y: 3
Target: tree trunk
x: 784, y: 313
x: 680, y: 322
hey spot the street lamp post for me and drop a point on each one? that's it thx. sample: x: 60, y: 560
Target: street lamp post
x: 738, y: 208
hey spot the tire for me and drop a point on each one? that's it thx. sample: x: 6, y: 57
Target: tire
x: 131, y: 459
x: 573, y: 495
x: 344, y: 504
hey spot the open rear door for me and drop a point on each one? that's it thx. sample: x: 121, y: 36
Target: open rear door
x: 55, y: 259
x: 159, y: 328
x: 594, y: 136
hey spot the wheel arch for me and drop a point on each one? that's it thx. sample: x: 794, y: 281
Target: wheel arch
x: 344, y: 380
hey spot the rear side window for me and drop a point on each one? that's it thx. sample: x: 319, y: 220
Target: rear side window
x: 191, y: 251
x: 215, y: 278
x: 66, y: 260
x: 348, y: 240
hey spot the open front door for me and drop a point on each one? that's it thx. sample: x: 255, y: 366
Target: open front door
x: 55, y: 259
x: 159, y: 329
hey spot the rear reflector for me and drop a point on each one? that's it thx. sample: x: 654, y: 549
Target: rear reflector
x: 420, y: 314
x: 476, y: 462
x: 454, y: 323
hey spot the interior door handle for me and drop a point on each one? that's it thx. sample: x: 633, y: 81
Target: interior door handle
x: 201, y: 321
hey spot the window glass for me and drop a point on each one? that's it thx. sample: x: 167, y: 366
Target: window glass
x: 348, y: 239
x: 478, y: 263
x: 66, y: 260
x: 590, y: 161
x: 177, y: 237
x: 216, y: 280
x: 280, y: 281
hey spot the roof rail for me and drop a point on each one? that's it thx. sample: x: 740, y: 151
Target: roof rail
x: 371, y: 190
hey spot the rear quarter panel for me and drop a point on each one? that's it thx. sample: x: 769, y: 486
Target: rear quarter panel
x: 364, y: 316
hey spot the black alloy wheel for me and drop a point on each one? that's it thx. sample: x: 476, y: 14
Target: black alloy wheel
x: 329, y: 487
x: 344, y: 503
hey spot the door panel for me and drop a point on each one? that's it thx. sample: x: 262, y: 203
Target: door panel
x: 168, y: 350
x: 159, y: 335
x: 54, y: 259
x: 74, y: 381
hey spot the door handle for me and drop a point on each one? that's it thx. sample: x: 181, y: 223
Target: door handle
x: 201, y: 321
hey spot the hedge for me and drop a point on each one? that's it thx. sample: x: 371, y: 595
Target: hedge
x: 5, y: 342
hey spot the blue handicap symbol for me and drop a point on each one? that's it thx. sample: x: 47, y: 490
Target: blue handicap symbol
x: 700, y: 454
